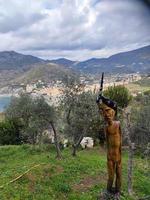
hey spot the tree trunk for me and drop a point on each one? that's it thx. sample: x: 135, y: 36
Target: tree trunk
x: 130, y: 168
x: 59, y: 156
x: 74, y: 150
x: 68, y: 116
x: 75, y: 146
x: 131, y: 149
x: 33, y: 140
x: 40, y: 140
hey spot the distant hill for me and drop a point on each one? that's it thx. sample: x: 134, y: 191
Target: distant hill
x: 46, y: 72
x: 11, y: 60
x: 127, y: 62
x: 26, y: 68
x: 63, y: 61
x: 18, y: 68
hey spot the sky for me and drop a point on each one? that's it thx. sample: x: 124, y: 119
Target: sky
x: 73, y: 29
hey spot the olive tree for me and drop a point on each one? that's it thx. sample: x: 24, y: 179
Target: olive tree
x: 36, y: 115
x: 141, y: 120
x: 81, y: 114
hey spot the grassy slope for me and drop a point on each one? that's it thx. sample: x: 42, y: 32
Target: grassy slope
x: 139, y: 86
x: 80, y: 178
x: 144, y: 82
x: 133, y: 87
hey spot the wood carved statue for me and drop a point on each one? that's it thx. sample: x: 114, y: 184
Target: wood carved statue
x: 108, y: 109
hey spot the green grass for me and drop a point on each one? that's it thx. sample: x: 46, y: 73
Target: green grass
x: 144, y: 81
x: 80, y: 178
x: 2, y: 116
x: 135, y: 87
x: 139, y: 86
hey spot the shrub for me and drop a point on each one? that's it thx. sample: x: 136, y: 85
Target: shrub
x: 120, y: 94
x: 10, y: 132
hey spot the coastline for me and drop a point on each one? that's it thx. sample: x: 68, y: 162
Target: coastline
x: 8, y: 95
x: 4, y: 101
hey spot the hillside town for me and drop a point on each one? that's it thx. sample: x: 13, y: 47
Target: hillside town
x: 54, y: 89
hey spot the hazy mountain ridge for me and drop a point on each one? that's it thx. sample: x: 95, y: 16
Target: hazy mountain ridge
x: 125, y: 62
x: 16, y: 67
x: 128, y: 62
x: 11, y: 60
x: 63, y: 61
x: 131, y: 61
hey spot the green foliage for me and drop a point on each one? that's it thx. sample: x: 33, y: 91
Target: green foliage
x: 85, y: 117
x: 147, y: 93
x: 143, y: 98
x: 141, y: 132
x: 10, y: 132
x: 140, y: 117
x: 144, y: 81
x: 120, y: 94
x: 60, y: 186
x: 34, y: 114
x: 81, y: 113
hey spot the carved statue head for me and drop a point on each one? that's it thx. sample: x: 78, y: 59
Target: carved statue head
x: 107, y: 107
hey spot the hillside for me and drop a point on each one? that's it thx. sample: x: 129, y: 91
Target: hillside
x: 16, y: 67
x: 80, y: 178
x: 64, y: 62
x: 11, y: 60
x: 126, y: 62
x: 144, y: 81
x: 47, y: 73
x: 131, y: 61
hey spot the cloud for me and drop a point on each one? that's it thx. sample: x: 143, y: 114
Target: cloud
x: 15, y: 14
x: 73, y: 28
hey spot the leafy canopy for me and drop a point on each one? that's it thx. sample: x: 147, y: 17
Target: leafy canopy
x: 120, y: 94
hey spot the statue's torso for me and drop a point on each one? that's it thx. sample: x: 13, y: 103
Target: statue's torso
x: 113, y: 136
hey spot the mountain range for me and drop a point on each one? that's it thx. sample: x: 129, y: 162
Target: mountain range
x: 14, y: 65
x: 11, y: 60
x: 131, y: 61
x: 127, y: 62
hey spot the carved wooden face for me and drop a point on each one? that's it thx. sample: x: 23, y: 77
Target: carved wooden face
x: 107, y: 112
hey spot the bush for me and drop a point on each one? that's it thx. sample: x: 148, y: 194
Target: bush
x: 120, y: 94
x: 10, y: 132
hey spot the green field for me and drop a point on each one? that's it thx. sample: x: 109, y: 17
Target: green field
x: 80, y: 178
x: 135, y: 88
x: 139, y: 86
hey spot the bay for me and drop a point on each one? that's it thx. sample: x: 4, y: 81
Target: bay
x: 4, y: 102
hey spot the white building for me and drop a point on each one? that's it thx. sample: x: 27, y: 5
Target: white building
x: 87, y: 142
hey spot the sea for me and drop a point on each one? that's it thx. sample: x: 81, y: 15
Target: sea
x: 4, y: 102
